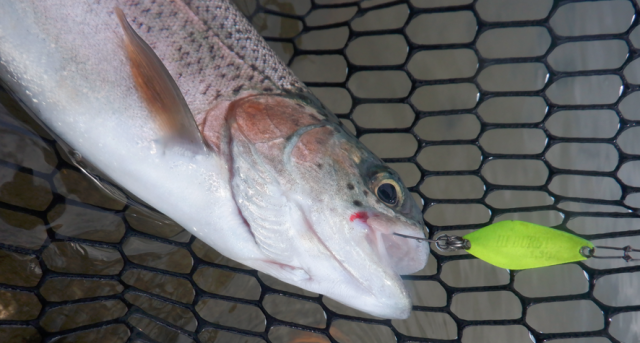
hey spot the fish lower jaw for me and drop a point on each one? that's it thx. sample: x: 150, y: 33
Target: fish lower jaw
x: 392, y: 305
x: 392, y: 310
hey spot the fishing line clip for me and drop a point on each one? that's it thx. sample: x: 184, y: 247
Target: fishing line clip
x: 443, y: 242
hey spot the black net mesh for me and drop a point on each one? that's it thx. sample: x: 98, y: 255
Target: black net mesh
x: 489, y: 110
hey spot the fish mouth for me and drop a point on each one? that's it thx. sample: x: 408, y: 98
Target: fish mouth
x: 404, y: 256
x: 364, y: 277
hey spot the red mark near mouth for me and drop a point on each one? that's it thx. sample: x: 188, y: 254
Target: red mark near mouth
x: 359, y: 215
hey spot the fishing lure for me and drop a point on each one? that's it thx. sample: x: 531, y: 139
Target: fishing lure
x: 520, y: 245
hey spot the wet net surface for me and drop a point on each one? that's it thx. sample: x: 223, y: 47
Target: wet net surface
x: 490, y: 110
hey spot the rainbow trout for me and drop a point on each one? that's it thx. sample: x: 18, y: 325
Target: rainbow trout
x: 184, y: 105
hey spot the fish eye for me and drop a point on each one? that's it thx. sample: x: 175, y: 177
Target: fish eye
x: 387, y: 189
x: 387, y: 193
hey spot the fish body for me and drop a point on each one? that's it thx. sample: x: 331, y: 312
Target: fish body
x: 236, y: 149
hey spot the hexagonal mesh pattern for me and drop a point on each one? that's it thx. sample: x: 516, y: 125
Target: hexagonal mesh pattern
x: 488, y: 109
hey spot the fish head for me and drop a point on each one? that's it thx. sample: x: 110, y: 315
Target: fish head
x: 323, y: 207
x: 355, y: 203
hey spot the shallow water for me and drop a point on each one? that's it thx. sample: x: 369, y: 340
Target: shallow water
x: 484, y: 122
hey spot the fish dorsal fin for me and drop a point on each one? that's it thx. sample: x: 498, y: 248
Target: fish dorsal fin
x: 159, y: 91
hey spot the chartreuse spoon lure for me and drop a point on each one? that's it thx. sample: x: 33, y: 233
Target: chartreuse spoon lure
x: 520, y: 245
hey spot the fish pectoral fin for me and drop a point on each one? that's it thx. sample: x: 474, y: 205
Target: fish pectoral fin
x: 285, y: 272
x: 262, y: 202
x: 159, y: 92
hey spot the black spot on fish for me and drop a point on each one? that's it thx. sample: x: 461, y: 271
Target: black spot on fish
x: 319, y: 165
x: 357, y: 203
x: 366, y: 194
x: 350, y: 186
x: 206, y: 89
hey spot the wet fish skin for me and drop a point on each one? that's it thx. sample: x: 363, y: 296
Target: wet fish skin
x: 280, y: 186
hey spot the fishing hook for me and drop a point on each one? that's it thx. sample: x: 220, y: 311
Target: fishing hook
x: 626, y: 253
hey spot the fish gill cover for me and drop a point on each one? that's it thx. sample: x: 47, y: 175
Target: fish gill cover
x: 488, y: 109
